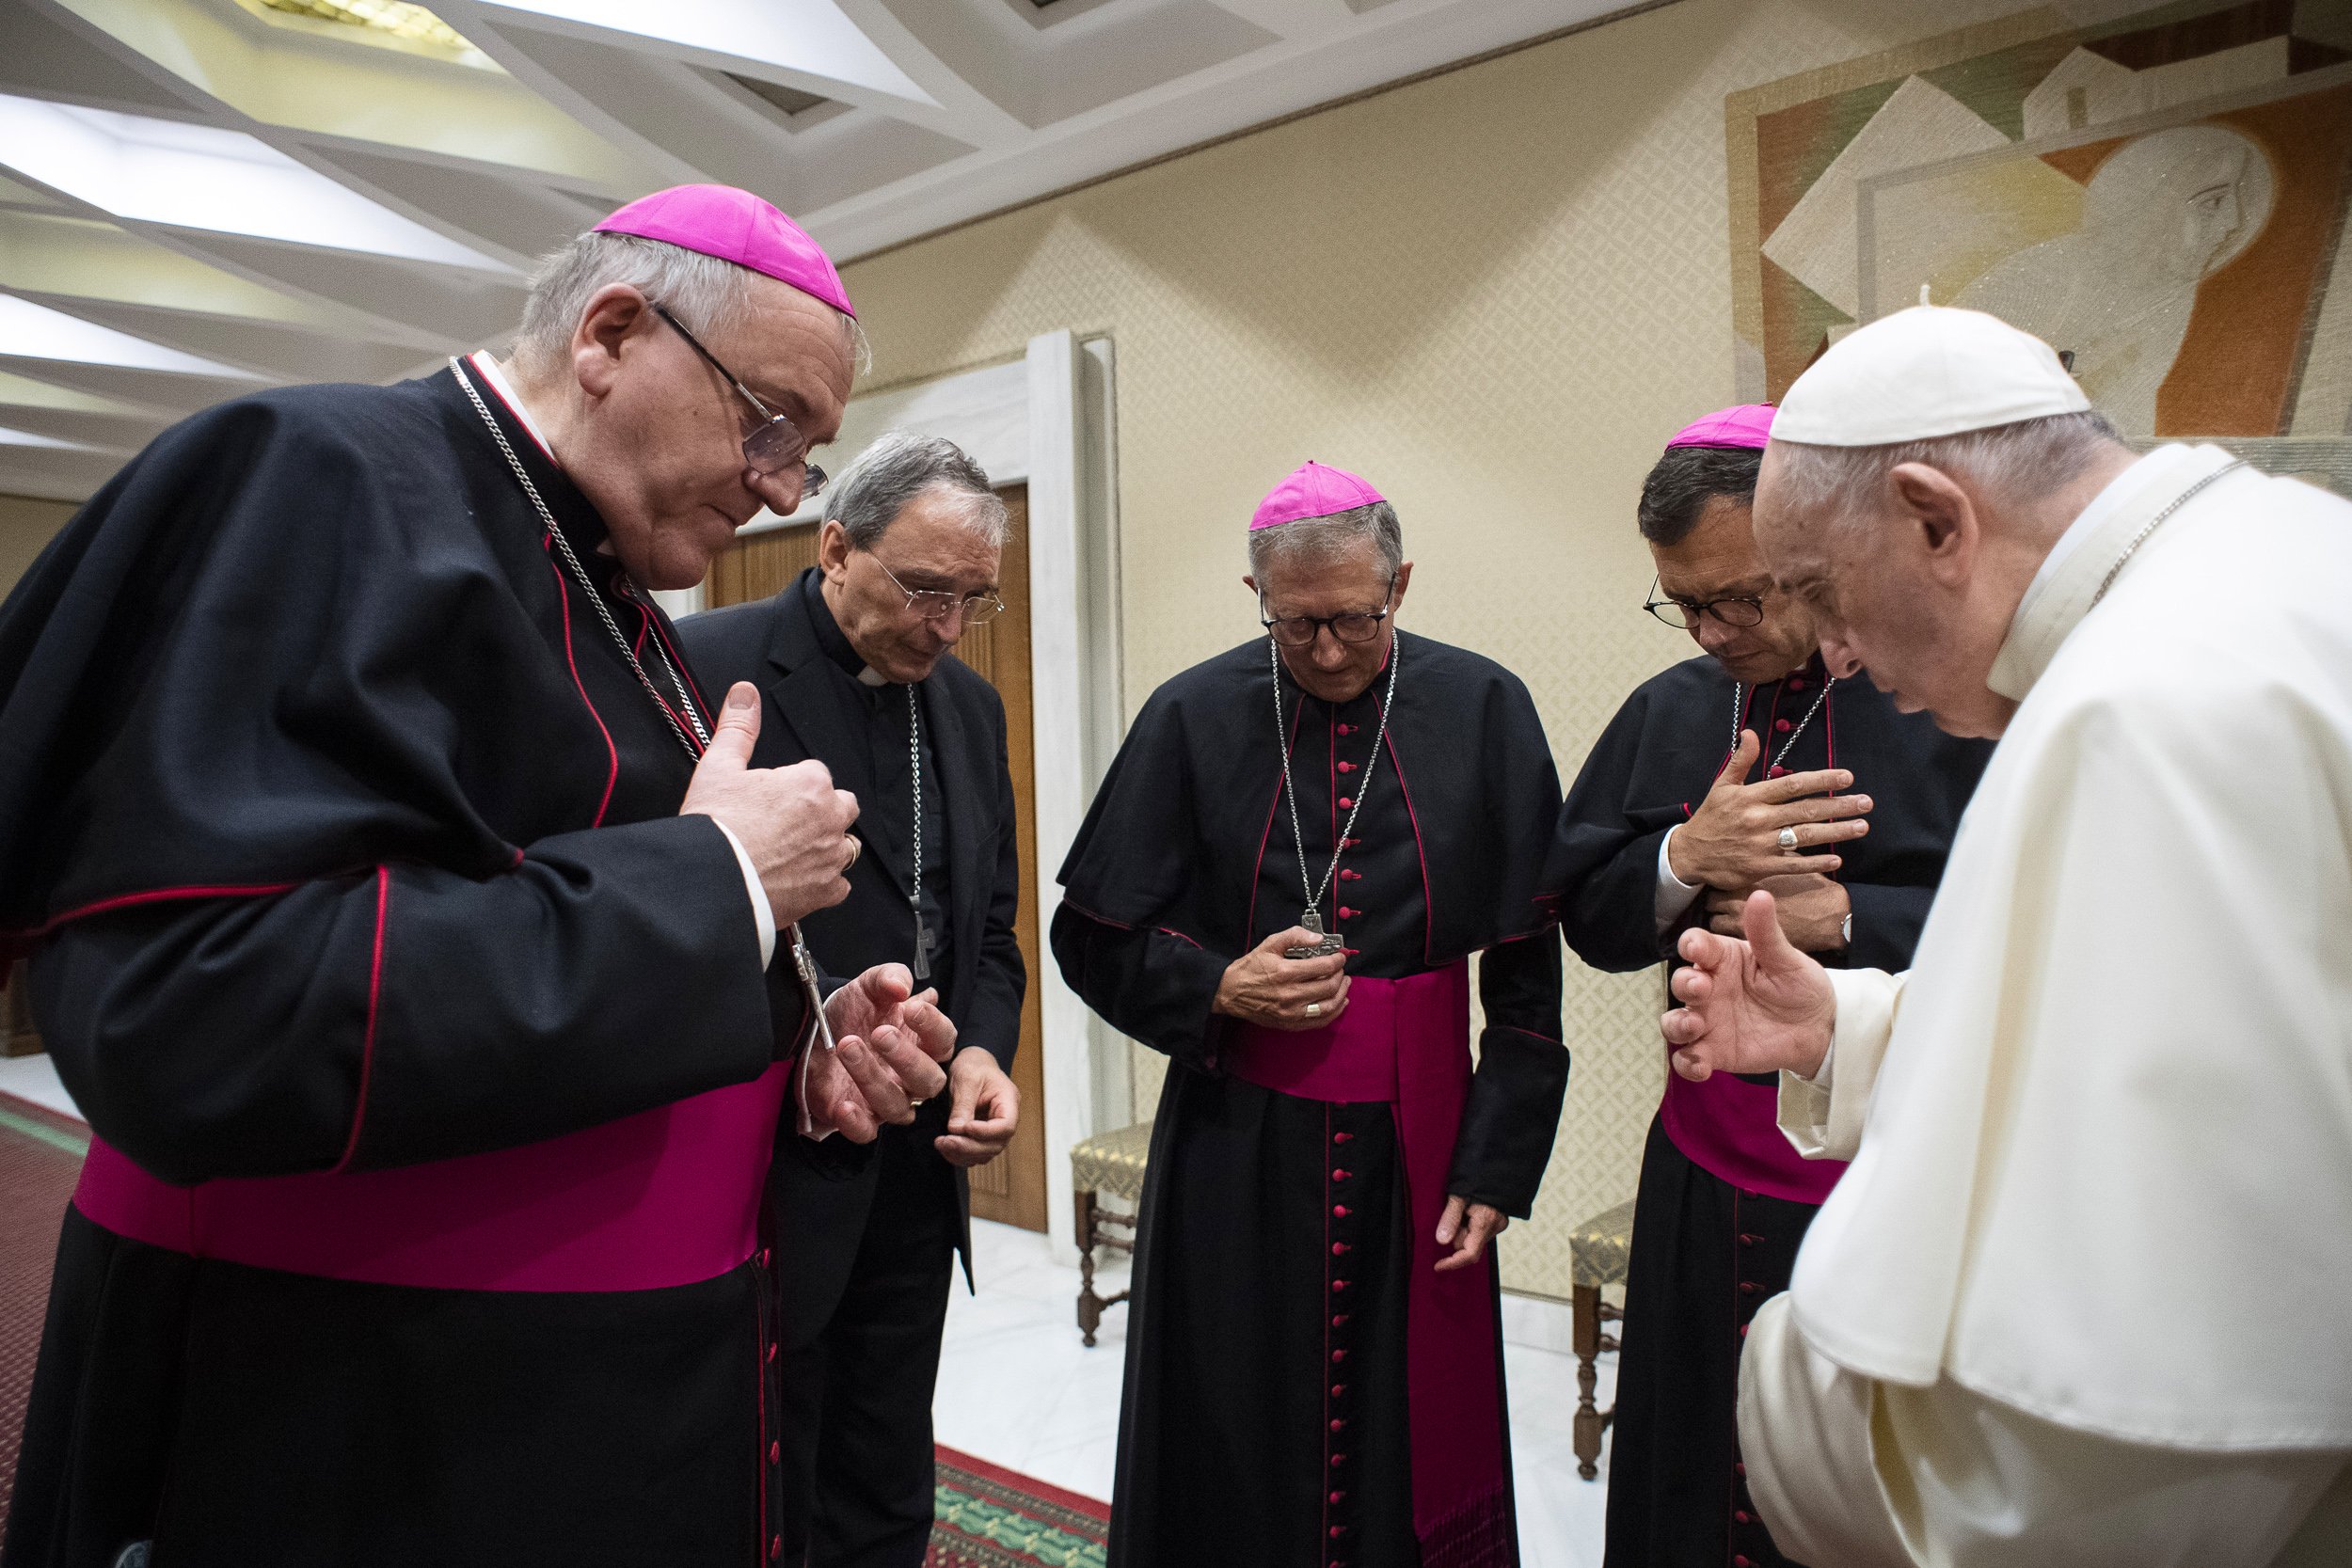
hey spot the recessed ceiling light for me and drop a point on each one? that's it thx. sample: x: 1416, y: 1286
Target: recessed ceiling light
x: 30, y: 331
x: 204, y: 178
x: 810, y: 36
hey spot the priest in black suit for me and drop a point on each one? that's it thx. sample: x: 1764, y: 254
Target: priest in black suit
x: 853, y: 659
x: 1746, y: 766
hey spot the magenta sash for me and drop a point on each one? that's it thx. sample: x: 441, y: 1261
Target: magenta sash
x: 1407, y: 1042
x: 1730, y: 1128
x: 668, y: 1197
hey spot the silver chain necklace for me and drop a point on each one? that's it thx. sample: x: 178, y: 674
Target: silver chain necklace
x: 914, y: 766
x: 812, y: 996
x: 2154, y: 523
x: 1312, y: 919
x: 1740, y: 719
x: 580, y: 573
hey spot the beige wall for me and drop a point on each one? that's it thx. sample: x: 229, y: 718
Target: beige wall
x: 25, y: 526
x: 1495, y: 292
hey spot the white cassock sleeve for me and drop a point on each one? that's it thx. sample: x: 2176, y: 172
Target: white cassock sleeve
x: 1853, y: 1473
x: 1821, y: 1115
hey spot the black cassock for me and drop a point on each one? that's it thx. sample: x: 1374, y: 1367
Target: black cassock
x: 344, y: 841
x: 1278, y: 1407
x: 1724, y: 1201
x: 867, y: 1233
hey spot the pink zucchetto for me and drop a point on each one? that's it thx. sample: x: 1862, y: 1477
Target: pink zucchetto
x: 735, y: 226
x: 1746, y: 424
x: 1311, y: 491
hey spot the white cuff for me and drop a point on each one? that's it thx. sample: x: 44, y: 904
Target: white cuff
x: 1673, y: 893
x: 763, y: 914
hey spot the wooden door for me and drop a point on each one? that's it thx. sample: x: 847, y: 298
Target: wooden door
x: 1012, y: 1188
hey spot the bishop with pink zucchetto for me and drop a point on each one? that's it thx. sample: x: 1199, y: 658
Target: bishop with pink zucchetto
x: 1298, y: 847
x: 407, y: 922
x: 1744, y: 765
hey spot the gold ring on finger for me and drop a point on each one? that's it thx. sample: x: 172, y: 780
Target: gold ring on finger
x: 1314, y: 1009
x: 856, y: 848
x: 1789, y: 838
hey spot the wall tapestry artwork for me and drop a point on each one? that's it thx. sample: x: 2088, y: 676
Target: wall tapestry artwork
x: 2160, y: 193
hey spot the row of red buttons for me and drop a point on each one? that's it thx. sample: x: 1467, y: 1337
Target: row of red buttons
x: 1337, y: 1532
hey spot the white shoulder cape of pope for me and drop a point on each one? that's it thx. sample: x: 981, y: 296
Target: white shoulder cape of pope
x: 2106, y: 1176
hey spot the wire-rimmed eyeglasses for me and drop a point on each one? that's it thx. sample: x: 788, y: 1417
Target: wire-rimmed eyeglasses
x: 934, y: 603
x: 1299, y: 631
x: 777, y: 444
x: 1683, y: 615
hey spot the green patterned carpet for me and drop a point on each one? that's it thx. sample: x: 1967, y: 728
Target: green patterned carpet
x: 991, y: 1518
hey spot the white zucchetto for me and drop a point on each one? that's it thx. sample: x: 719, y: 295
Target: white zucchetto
x: 1922, y: 373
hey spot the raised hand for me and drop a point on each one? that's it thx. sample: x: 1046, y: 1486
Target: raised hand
x: 1732, y: 841
x: 986, y: 1111
x: 1264, y: 988
x: 1757, y: 1005
x: 886, y: 1061
x: 790, y: 820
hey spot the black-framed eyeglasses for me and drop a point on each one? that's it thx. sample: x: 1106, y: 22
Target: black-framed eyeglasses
x: 777, y: 444
x: 1299, y: 631
x: 934, y: 603
x: 1684, y: 616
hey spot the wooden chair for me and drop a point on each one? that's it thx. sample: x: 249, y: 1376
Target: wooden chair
x: 1111, y: 1164
x: 1597, y: 1250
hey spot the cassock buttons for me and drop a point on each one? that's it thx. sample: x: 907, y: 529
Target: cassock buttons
x: 1347, y: 804
x: 1338, y: 1460
x: 1341, y: 1175
x: 772, y: 1353
x: 1338, y: 1356
x: 1337, y: 1499
x: 1338, y: 1285
x: 1338, y: 1321
x: 1351, y: 875
x: 1338, y: 1423
x: 1782, y: 726
x: 775, y: 1453
x: 1749, y: 1286
x: 764, y: 1258
x: 1339, y: 1391
x: 1341, y: 1249
x: 1343, y: 1137
x: 1774, y: 771
x: 1339, y: 1210
x: 1742, y: 1517
x: 1795, y: 683
x: 1346, y: 913
x: 1347, y: 767
x: 1347, y: 729
x: 775, y: 1547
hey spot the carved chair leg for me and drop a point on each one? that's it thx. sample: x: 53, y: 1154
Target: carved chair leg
x: 1586, y: 1310
x: 1090, y: 1305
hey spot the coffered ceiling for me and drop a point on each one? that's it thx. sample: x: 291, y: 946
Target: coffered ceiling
x: 199, y: 197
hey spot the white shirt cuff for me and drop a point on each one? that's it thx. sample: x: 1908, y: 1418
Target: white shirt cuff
x: 763, y: 914
x: 1673, y: 893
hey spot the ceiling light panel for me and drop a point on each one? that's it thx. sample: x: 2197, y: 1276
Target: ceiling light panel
x: 205, y: 178
x: 30, y: 331
x: 809, y: 36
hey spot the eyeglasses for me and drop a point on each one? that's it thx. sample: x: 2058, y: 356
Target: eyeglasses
x: 777, y: 444
x: 934, y: 605
x: 1299, y: 631
x: 1684, y: 616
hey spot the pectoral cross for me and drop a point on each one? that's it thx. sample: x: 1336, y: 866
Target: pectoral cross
x: 1324, y: 945
x: 925, y: 940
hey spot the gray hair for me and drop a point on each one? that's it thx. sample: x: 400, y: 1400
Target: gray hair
x: 710, y: 295
x: 1321, y: 538
x: 871, y: 492
x: 2023, y: 460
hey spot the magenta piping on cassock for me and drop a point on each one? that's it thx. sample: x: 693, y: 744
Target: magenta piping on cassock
x: 1407, y: 1042
x: 668, y: 1197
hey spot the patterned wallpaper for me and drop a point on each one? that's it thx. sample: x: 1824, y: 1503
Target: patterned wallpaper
x: 1495, y: 292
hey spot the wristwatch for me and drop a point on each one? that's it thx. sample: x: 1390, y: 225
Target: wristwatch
x: 1845, y: 929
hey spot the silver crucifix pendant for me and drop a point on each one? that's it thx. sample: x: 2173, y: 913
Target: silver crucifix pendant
x: 1325, y: 946
x: 922, y: 945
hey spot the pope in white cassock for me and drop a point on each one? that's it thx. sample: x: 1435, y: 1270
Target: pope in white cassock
x: 2085, y: 1296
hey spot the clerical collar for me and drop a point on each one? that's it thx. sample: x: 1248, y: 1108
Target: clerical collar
x: 488, y: 370
x: 2068, y: 582
x: 830, y: 636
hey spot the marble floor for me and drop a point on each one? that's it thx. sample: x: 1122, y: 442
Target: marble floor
x: 1017, y: 1387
